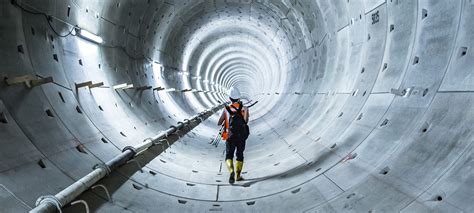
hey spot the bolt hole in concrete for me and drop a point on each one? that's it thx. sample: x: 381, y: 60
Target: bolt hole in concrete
x: 384, y: 171
x: 49, y: 113
x: 350, y: 156
x: 20, y: 49
x: 425, y: 127
x: 137, y: 187
x: 355, y: 92
x: 416, y: 60
x: 350, y: 195
x: 78, y: 110
x: 462, y: 51
x: 296, y: 190
x: 61, y: 97
x: 80, y: 148
x: 425, y: 92
x: 3, y: 118
x: 384, y: 123
x: 250, y: 203
x: 41, y: 164
x: 182, y: 201
x: 439, y: 198
x: 103, y: 140
x: 424, y: 13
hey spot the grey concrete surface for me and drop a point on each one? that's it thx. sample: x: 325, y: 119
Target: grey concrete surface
x: 364, y: 105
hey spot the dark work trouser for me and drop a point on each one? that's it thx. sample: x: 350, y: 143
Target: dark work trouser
x: 231, y: 146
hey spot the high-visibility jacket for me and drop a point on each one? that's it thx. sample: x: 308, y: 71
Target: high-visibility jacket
x: 245, y: 115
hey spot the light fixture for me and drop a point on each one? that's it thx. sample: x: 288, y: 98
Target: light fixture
x: 89, y: 36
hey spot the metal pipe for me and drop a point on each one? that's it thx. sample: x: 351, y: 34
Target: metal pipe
x: 52, y: 203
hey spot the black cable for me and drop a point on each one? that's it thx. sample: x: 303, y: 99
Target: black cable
x: 59, y: 35
x: 46, y: 16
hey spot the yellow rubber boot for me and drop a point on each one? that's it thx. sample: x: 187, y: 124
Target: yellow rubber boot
x: 230, y: 167
x: 238, y: 169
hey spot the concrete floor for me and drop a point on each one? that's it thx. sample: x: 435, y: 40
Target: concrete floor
x: 364, y: 105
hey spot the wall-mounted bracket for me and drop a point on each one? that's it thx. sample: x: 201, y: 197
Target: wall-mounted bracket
x: 19, y: 80
x: 122, y: 86
x: 41, y: 81
x: 28, y: 80
x: 83, y: 84
x: 100, y: 84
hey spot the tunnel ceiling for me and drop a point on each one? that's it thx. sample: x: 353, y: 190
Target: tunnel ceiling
x: 363, y: 105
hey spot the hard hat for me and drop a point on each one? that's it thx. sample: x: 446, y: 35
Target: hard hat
x: 234, y: 93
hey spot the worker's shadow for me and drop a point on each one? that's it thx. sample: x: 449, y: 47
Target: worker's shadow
x: 315, y: 165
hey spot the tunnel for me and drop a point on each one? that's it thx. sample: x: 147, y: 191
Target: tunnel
x: 355, y: 105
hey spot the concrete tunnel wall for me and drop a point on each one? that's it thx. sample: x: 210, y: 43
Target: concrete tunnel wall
x: 364, y: 106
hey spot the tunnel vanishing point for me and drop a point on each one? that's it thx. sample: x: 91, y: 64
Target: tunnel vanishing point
x: 363, y: 105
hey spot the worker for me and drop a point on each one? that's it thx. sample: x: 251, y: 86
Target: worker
x: 236, y: 131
